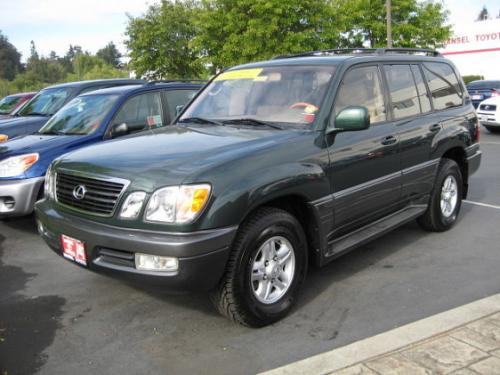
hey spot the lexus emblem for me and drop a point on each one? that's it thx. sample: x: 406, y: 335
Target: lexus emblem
x: 79, y: 192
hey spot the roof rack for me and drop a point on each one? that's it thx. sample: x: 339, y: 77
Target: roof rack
x: 372, y: 51
x: 176, y: 80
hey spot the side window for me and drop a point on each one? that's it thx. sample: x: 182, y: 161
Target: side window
x: 141, y: 112
x: 403, y: 92
x: 423, y: 97
x: 177, y: 98
x: 443, y: 84
x: 362, y: 87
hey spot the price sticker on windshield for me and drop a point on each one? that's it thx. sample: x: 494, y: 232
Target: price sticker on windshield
x: 239, y: 74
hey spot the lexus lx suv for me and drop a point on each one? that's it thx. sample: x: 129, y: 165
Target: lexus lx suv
x: 272, y: 166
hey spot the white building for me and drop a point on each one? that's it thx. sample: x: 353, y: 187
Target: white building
x: 475, y: 48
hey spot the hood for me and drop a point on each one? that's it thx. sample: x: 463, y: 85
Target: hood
x: 48, y: 147
x: 494, y: 100
x: 16, y: 126
x: 169, y: 155
x: 37, y: 143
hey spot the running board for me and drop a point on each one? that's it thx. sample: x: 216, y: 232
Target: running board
x: 373, y: 230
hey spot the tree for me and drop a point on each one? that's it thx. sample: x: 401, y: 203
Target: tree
x: 110, y: 55
x: 483, y: 14
x: 10, y: 59
x: 160, y: 41
x: 233, y: 32
x: 415, y: 23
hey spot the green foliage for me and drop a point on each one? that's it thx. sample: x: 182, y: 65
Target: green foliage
x: 185, y: 38
x: 110, y: 55
x: 415, y: 23
x: 159, y: 41
x: 10, y: 59
x: 233, y: 32
x: 76, y: 65
x: 468, y: 79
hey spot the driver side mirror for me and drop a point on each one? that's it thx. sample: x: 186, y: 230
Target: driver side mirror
x: 119, y: 130
x: 353, y: 118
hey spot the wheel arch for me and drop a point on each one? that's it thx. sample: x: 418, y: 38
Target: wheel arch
x: 299, y: 207
x: 459, y: 155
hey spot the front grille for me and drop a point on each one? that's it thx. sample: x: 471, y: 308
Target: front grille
x: 100, y: 195
x: 488, y: 107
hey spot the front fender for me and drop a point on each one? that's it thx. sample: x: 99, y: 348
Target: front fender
x: 299, y: 179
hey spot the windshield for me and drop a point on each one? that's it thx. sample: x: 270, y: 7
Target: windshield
x: 288, y: 95
x: 83, y: 115
x: 46, y: 103
x: 8, y: 103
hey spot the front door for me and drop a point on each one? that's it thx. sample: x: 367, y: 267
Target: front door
x: 364, y: 166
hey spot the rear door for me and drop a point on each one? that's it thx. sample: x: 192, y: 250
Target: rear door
x: 364, y: 165
x: 417, y: 127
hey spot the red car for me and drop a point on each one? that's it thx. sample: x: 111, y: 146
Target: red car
x: 11, y: 103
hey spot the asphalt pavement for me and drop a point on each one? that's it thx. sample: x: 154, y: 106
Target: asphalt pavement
x: 56, y: 318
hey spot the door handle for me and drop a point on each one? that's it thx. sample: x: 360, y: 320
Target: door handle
x: 435, y: 128
x: 389, y: 140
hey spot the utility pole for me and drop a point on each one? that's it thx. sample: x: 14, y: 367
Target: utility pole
x: 389, y: 23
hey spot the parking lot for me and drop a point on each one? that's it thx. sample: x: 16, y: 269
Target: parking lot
x: 56, y: 318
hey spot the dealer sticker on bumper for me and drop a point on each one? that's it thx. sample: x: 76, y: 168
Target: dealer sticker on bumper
x: 74, y: 250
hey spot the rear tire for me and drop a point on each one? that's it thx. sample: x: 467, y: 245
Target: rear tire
x: 446, y: 198
x: 265, y: 270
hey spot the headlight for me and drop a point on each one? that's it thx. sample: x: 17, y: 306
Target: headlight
x: 132, y: 205
x: 3, y: 138
x: 177, y: 204
x: 17, y: 165
x: 49, y: 188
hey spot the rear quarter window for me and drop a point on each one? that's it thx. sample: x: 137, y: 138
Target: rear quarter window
x: 444, y: 86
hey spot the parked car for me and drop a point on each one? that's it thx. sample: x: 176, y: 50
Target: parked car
x: 272, y: 166
x: 10, y: 103
x: 90, y: 118
x: 488, y: 113
x: 481, y: 90
x: 35, y: 113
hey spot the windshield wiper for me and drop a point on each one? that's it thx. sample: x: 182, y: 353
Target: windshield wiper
x: 252, y: 121
x: 37, y: 114
x: 52, y: 132
x: 200, y: 120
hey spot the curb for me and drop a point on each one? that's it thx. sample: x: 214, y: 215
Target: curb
x: 392, y: 340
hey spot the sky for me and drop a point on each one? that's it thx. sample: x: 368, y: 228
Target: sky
x: 55, y: 24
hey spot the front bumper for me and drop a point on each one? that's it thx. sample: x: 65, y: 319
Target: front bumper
x: 18, y: 197
x: 202, y: 255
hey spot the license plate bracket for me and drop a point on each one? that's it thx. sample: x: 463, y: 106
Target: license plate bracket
x: 74, y: 249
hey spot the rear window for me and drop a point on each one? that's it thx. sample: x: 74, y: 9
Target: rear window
x: 443, y: 84
x: 480, y: 85
x: 403, y: 91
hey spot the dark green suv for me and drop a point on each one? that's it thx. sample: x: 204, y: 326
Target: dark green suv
x: 272, y: 166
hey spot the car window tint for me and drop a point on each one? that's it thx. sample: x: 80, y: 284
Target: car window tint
x: 425, y: 101
x: 362, y: 87
x: 443, y: 84
x: 177, y: 98
x: 403, y: 92
x: 141, y: 112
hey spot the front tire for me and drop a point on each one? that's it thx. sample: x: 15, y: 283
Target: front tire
x: 446, y: 198
x: 265, y: 271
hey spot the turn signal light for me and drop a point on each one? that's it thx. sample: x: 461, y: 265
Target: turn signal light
x: 4, y: 138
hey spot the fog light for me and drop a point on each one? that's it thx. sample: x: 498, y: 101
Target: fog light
x: 147, y: 262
